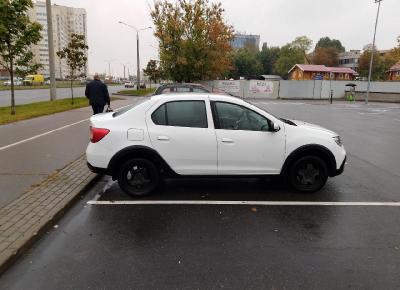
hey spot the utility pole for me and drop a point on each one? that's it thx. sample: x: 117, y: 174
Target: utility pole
x: 53, y: 88
x: 137, y: 52
x: 138, y: 60
x: 372, y: 52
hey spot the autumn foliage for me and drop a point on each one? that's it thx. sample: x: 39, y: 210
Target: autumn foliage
x: 194, y: 40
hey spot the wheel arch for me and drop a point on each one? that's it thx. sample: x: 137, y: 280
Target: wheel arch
x: 139, y: 152
x: 314, y: 150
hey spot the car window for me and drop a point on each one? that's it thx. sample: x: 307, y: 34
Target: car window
x: 236, y: 117
x: 182, y: 114
x: 159, y: 116
x: 199, y: 90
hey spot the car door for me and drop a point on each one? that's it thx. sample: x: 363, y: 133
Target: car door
x: 247, y: 144
x: 180, y: 132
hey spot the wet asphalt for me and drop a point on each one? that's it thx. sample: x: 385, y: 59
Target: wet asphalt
x: 239, y: 246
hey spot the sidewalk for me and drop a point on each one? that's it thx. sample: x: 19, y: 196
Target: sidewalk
x: 32, y: 213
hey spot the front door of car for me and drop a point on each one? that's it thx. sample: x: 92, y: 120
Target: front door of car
x: 247, y: 143
x: 180, y: 132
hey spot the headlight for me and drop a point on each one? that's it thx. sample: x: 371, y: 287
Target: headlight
x: 338, y: 140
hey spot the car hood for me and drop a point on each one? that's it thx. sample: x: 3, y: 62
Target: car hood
x: 313, y: 126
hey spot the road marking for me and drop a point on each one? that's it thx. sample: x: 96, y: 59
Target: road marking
x: 241, y: 202
x: 49, y: 132
x: 41, y: 135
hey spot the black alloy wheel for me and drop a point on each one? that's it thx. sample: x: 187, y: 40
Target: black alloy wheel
x: 308, y: 174
x: 138, y: 177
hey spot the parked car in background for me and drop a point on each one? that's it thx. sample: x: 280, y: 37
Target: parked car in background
x: 17, y: 82
x: 129, y: 84
x: 180, y: 88
x: 209, y: 135
x: 34, y: 80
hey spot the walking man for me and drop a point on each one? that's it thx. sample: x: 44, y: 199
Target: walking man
x: 97, y: 93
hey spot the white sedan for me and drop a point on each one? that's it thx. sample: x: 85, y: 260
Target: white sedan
x: 209, y: 135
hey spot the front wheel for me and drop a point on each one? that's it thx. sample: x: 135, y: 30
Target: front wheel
x: 138, y: 177
x: 308, y: 174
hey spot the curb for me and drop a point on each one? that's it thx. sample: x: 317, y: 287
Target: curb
x: 24, y: 220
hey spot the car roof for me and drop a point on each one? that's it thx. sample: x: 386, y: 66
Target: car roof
x: 197, y: 96
x: 182, y: 85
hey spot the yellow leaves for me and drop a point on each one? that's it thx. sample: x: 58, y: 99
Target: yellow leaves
x: 194, y: 39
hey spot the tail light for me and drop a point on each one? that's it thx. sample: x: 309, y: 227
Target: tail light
x: 96, y: 134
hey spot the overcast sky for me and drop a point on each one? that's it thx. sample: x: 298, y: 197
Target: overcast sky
x: 276, y: 21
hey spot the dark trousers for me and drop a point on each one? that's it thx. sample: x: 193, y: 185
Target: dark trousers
x: 97, y: 109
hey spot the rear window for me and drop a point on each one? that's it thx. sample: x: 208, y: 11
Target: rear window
x: 122, y: 111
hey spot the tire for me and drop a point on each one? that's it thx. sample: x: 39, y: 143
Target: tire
x: 308, y: 174
x: 138, y: 177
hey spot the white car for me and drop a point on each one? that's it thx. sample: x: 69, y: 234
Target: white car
x: 209, y: 135
x: 129, y: 85
x: 17, y: 82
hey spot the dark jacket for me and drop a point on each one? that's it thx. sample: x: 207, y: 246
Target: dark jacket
x: 97, y: 93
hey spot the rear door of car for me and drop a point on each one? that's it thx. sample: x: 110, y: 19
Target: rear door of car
x: 181, y: 131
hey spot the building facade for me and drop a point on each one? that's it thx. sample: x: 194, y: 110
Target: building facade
x: 394, y: 72
x: 246, y: 41
x: 350, y: 59
x: 66, y: 21
x: 306, y: 72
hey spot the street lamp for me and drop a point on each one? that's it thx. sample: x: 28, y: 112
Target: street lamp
x: 137, y: 44
x: 372, y: 52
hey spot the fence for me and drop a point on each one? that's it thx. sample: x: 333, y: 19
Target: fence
x: 305, y: 89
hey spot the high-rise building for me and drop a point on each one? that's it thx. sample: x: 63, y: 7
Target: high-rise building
x: 66, y: 21
x: 246, y: 40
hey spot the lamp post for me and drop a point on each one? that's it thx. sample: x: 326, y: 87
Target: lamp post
x: 137, y: 50
x: 372, y: 52
x: 52, y: 69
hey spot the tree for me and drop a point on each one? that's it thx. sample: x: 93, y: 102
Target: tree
x: 378, y: 69
x: 303, y: 44
x: 75, y: 54
x: 245, y: 64
x: 288, y: 57
x: 152, y: 71
x: 268, y: 57
x: 17, y: 34
x: 328, y: 56
x: 326, y: 42
x: 194, y: 41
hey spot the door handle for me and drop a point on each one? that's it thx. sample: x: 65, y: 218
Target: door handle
x: 227, y: 140
x: 162, y: 138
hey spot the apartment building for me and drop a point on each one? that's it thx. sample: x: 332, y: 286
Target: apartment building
x: 349, y: 59
x: 246, y: 41
x: 66, y: 21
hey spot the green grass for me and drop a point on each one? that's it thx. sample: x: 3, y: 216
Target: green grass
x: 29, y: 111
x: 60, y: 84
x: 137, y: 93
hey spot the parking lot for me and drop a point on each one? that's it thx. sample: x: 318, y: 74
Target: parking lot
x: 239, y: 233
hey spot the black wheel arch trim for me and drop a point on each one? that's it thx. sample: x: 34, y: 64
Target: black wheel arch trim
x: 311, y: 149
x: 140, y: 152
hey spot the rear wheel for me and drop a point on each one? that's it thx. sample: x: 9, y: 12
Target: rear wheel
x: 308, y: 174
x: 138, y: 177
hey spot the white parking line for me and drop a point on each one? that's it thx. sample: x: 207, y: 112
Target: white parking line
x: 241, y: 202
x: 41, y: 135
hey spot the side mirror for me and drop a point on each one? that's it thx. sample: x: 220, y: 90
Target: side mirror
x: 275, y: 127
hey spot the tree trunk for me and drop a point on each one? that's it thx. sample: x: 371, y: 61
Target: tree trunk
x: 12, y: 88
x: 72, y: 92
